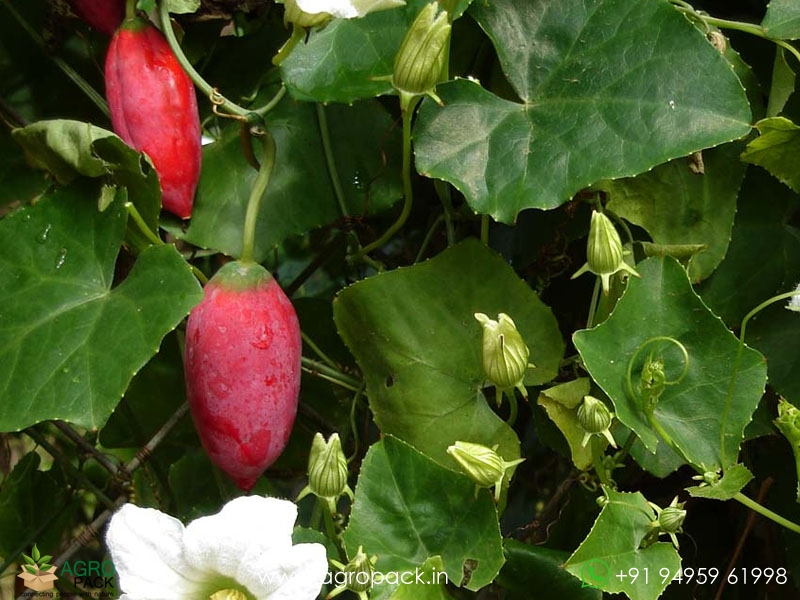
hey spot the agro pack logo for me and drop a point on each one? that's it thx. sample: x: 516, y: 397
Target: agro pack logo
x: 90, y: 574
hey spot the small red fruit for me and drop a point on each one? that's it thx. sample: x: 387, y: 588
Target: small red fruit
x: 103, y: 15
x: 154, y: 109
x: 242, y: 367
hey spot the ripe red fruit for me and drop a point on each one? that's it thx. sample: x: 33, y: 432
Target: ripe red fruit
x: 242, y: 367
x: 103, y: 15
x: 154, y: 109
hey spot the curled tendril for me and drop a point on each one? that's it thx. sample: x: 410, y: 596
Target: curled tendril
x: 653, y: 379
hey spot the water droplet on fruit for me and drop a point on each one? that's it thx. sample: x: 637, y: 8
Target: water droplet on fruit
x: 62, y: 256
x: 222, y: 329
x: 42, y: 237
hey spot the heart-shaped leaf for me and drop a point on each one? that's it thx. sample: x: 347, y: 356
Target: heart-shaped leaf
x: 393, y: 518
x: 69, y: 344
x: 413, y: 333
x: 694, y: 410
x: 596, y: 88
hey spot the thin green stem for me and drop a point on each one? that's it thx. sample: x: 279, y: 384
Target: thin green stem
x: 256, y: 194
x: 353, y: 425
x: 427, y: 239
x: 764, y: 511
x: 485, y: 229
x: 144, y: 228
x: 751, y: 28
x: 272, y: 103
x: 155, y: 240
x: 407, y: 107
x: 197, y: 79
x: 323, y: 371
x: 593, y: 304
x: 737, y: 364
x: 513, y: 408
x: 130, y: 9
x: 325, y: 358
x: 73, y: 75
x: 597, y: 445
x: 330, y: 159
x: 443, y: 190
x: 154, y: 441
x: 298, y: 33
x: 626, y: 448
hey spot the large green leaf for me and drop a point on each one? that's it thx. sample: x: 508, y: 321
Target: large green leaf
x: 396, y: 518
x: 300, y: 196
x: 782, y: 20
x: 776, y: 150
x: 338, y: 64
x: 678, y: 206
x: 776, y: 333
x: 413, y: 333
x: 600, y: 98
x: 613, y: 547
x: 694, y: 411
x: 764, y: 253
x: 539, y: 568
x: 69, y: 344
x: 69, y: 149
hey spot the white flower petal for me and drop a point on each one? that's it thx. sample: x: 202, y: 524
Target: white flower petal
x: 294, y: 574
x: 246, y: 528
x: 347, y: 9
x: 147, y: 550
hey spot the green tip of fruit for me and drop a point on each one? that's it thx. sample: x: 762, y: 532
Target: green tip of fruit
x: 239, y: 276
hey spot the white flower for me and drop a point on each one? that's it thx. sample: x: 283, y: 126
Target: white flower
x: 794, y: 301
x: 347, y: 9
x: 245, y: 548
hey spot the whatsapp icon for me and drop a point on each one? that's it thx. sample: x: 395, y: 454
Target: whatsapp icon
x: 595, y: 573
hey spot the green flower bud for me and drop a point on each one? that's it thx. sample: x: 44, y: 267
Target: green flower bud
x: 671, y: 519
x: 482, y: 464
x: 788, y: 423
x: 505, y: 355
x: 297, y: 16
x: 653, y: 380
x: 595, y: 419
x: 228, y: 595
x: 358, y: 575
x: 604, y: 253
x: 668, y: 521
x: 327, y: 471
x: 419, y: 63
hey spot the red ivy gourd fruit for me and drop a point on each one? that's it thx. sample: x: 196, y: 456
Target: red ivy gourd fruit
x: 242, y: 367
x: 154, y: 109
x: 103, y: 15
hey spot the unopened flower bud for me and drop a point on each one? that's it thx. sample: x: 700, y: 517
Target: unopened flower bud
x: 788, y: 423
x: 595, y: 419
x: 668, y: 521
x: 671, y: 519
x: 297, y: 16
x: 505, y: 355
x: 327, y: 470
x: 419, y: 63
x: 604, y: 253
x: 358, y: 575
x: 482, y: 464
x: 653, y: 380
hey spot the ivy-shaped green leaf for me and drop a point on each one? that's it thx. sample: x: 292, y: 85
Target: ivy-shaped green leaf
x: 600, y: 98
x: 69, y: 344
x: 393, y: 518
x: 414, y: 335
x: 613, y: 546
x: 776, y: 150
x: 731, y: 483
x: 694, y: 411
x: 677, y: 205
x: 782, y: 20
